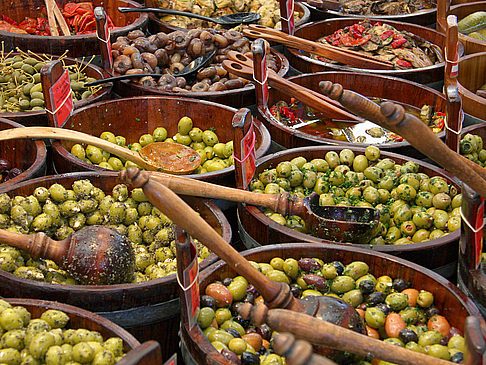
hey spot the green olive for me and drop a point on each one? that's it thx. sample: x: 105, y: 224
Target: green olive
x: 429, y: 338
x: 205, y: 317
x: 184, y: 125
x: 425, y: 299
x: 397, y: 301
x: 374, y: 317
x: 210, y: 138
x: 159, y: 134
x: 343, y: 284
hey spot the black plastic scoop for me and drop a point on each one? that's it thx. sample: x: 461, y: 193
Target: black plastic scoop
x: 186, y: 72
x: 229, y: 19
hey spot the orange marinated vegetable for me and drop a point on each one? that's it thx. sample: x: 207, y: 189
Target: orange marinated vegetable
x: 394, y: 324
x: 439, y: 323
x: 412, y: 296
x: 221, y: 293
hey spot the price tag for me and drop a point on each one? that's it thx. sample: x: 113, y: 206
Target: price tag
x: 172, y: 360
x: 108, y: 43
x: 290, y: 16
x: 191, y: 286
x: 61, y: 99
x: 478, y: 236
x: 249, y: 161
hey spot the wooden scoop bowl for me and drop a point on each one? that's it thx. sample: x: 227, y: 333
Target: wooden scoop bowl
x: 276, y: 294
x: 335, y: 223
x: 94, y: 255
x: 172, y: 158
x: 393, y: 117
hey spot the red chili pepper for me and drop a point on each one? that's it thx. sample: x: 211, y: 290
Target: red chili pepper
x: 349, y: 41
x: 399, y: 42
x: 356, y: 30
x: 387, y: 34
x: 9, y: 20
x: 404, y: 64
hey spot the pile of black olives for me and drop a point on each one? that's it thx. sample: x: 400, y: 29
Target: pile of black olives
x: 58, y: 212
x: 168, y: 54
x: 391, y: 310
x: 413, y: 206
x: 48, y: 340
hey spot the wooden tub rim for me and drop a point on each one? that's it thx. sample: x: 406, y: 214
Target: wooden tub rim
x: 96, y: 289
x: 338, y: 67
x: 329, y: 141
x: 259, y: 152
x: 437, y: 243
x: 40, y: 155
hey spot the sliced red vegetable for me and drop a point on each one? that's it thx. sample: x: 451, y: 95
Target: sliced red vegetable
x: 399, y: 42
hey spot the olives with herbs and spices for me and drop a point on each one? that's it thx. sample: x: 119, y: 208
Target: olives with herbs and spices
x: 413, y: 206
x: 471, y: 146
x: 215, y: 155
x: 299, y: 116
x: 58, y: 212
x: 391, y: 309
x: 49, y: 340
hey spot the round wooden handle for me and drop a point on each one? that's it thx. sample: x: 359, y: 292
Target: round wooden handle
x: 297, y: 352
x: 276, y: 294
x: 319, y: 332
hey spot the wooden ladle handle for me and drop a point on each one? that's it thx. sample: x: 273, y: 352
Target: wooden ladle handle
x: 276, y: 294
x: 394, y: 118
x: 297, y: 352
x: 324, y: 333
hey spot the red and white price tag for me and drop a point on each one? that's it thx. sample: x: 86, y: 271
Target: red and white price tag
x: 478, y: 236
x: 290, y: 16
x: 61, y: 99
x: 249, y: 160
x: 190, y: 281
x: 108, y: 43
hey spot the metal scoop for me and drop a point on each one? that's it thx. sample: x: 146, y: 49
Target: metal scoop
x: 227, y: 20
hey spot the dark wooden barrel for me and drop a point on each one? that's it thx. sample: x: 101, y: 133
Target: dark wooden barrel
x: 132, y: 117
x: 450, y: 301
x: 383, y: 87
x: 256, y: 229
x: 28, y: 155
x: 235, y: 98
x: 424, y: 17
x: 471, y: 45
x: 316, y: 30
x: 78, y: 45
x: 39, y: 117
x: 156, y: 25
x: 472, y: 75
x: 148, y: 310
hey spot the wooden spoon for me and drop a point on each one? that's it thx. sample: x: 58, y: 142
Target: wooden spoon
x: 419, y: 135
x: 276, y: 294
x: 297, y: 352
x: 94, y: 255
x: 320, y: 332
x: 172, y: 158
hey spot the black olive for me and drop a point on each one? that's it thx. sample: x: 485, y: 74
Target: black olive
x: 400, y: 284
x: 231, y: 356
x: 407, y: 335
x: 5, y: 165
x: 234, y: 308
x: 385, y: 308
x: 227, y: 281
x: 263, y: 350
x: 366, y: 286
x: 233, y: 332
x: 457, y: 358
x: 431, y: 311
x: 339, y: 267
x: 248, y: 358
x: 375, y: 298
x: 296, y: 290
x: 249, y: 298
x: 239, y: 319
x: 264, y: 331
x: 207, y: 301
x: 251, y: 289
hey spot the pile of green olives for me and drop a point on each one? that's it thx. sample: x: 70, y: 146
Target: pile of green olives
x: 20, y: 82
x: 471, y: 147
x: 47, y: 340
x: 413, y: 206
x: 58, y: 212
x: 215, y: 155
x: 391, y: 310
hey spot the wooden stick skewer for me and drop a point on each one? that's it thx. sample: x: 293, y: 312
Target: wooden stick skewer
x: 51, y: 18
x: 60, y: 18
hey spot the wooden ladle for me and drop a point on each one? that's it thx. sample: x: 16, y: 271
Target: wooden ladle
x: 393, y: 117
x: 172, y: 158
x: 94, y: 255
x: 335, y: 223
x: 275, y: 294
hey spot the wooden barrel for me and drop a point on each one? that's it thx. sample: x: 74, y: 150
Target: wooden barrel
x: 235, y: 98
x: 316, y: 30
x: 39, y: 117
x: 450, y: 301
x: 369, y: 85
x: 78, y: 45
x: 423, y: 17
x: 156, y: 25
x: 132, y: 117
x: 472, y: 75
x: 256, y: 228
x: 149, y: 310
x: 471, y: 45
x: 28, y: 155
